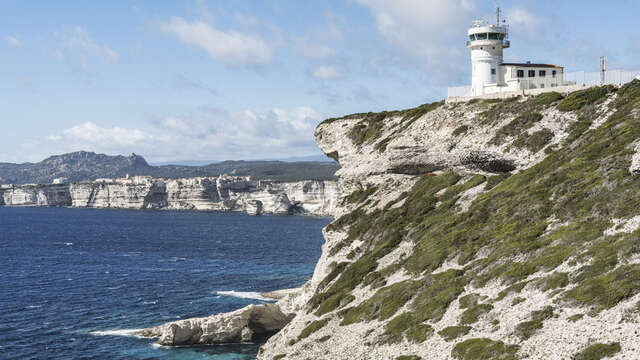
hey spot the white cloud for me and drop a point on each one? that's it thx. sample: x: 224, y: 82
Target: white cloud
x: 13, y: 41
x: 314, y: 50
x: 229, y: 47
x: 522, y: 19
x: 432, y: 31
x: 81, y: 42
x: 326, y: 72
x: 95, y: 137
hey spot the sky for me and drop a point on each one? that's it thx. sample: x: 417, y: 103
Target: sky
x: 250, y: 79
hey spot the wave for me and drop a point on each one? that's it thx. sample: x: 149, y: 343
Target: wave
x: 121, y: 332
x: 33, y: 307
x: 68, y: 244
x: 243, y: 294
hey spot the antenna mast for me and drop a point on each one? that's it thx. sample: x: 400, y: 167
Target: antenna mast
x: 497, y: 13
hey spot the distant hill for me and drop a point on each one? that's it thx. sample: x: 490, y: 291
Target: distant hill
x: 83, y: 165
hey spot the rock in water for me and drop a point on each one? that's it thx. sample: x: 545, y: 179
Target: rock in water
x: 242, y: 325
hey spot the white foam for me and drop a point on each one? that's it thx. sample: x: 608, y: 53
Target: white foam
x: 68, y: 243
x: 243, y: 295
x: 33, y: 307
x: 121, y: 332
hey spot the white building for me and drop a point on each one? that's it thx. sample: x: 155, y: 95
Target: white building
x: 491, y: 75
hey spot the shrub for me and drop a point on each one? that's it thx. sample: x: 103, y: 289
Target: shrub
x: 484, y: 349
x: 453, y: 332
x: 598, y: 351
x: 577, y: 100
x: 313, y: 327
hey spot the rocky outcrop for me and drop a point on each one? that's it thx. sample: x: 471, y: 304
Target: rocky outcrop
x: 478, y: 230
x: 222, y: 193
x: 247, y: 324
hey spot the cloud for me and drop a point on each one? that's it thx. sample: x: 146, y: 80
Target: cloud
x: 326, y: 72
x: 80, y: 42
x: 314, y: 50
x: 229, y: 47
x: 13, y: 41
x: 431, y: 31
x: 523, y: 19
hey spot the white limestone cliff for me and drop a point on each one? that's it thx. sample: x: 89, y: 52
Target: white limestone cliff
x: 217, y: 194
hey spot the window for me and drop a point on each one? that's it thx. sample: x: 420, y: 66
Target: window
x: 482, y: 36
x: 520, y: 73
x: 532, y: 73
x: 472, y: 37
x: 493, y: 71
x: 542, y: 73
x: 541, y: 86
x: 494, y: 36
x: 501, y: 37
x: 553, y: 73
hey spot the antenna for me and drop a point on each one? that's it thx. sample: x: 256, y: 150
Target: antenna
x: 497, y: 13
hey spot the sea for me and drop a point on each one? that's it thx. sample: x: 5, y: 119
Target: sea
x: 74, y: 283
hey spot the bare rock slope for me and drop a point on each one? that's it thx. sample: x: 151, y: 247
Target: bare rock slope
x: 502, y: 229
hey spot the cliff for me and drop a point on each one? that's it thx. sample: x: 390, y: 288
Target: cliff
x: 496, y: 229
x: 224, y: 193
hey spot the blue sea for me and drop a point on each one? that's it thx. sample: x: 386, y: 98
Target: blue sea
x: 73, y: 281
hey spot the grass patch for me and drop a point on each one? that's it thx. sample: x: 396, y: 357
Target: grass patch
x: 454, y: 332
x: 460, y: 130
x: 472, y: 314
x: 576, y: 317
x: 534, y: 142
x: 516, y: 127
x: 312, y: 327
x: 484, y: 349
x: 598, y: 351
x: 553, y: 281
x: 405, y: 326
x: 526, y: 329
x: 577, y: 100
x: 408, y: 357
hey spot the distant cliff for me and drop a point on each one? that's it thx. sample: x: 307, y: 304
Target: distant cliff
x: 87, y: 166
x: 223, y: 193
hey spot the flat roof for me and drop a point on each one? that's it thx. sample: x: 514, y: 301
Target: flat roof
x: 533, y: 65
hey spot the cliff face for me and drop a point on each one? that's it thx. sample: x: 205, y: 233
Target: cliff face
x: 499, y: 229
x: 221, y: 194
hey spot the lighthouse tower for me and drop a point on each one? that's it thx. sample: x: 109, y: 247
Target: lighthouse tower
x: 486, y: 43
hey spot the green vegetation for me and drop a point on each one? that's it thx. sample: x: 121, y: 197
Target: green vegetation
x: 454, y: 332
x: 460, y: 130
x: 584, y: 183
x: 553, y: 281
x: 313, y: 327
x: 526, y: 329
x: 405, y: 326
x: 517, y: 300
x: 598, y: 351
x: 607, y: 290
x: 546, y: 99
x: 579, y: 99
x: 468, y: 301
x: 534, y: 142
x: 494, y: 180
x: 576, y: 317
x: 360, y: 195
x: 484, y: 349
x: 472, y: 314
x: 516, y: 127
x: 408, y: 357
x: 279, y: 356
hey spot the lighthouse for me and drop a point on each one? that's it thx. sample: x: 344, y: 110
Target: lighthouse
x: 491, y: 75
x: 486, y: 43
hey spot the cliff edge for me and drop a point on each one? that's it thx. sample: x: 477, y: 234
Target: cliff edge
x: 492, y: 229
